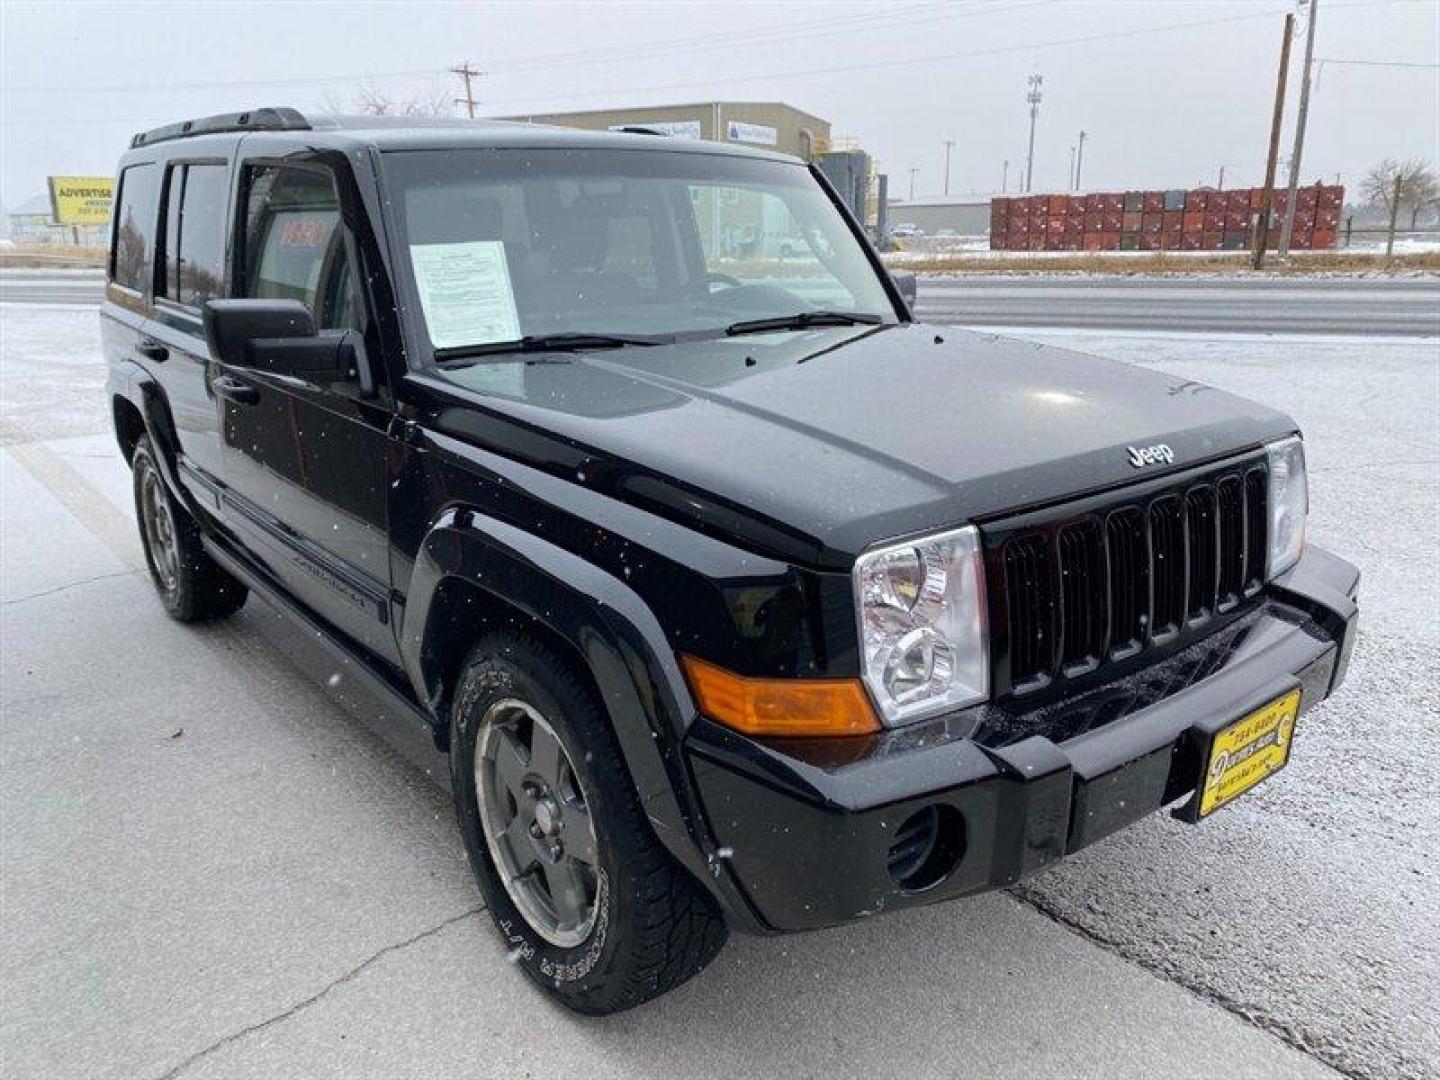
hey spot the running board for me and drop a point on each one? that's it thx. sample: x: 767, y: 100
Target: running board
x: 408, y: 728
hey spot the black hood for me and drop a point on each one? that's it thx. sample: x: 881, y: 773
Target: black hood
x: 821, y: 444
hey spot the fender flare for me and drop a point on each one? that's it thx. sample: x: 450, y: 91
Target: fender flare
x: 134, y: 384
x: 613, y: 631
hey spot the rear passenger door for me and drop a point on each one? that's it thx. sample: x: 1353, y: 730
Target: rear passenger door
x: 304, y: 463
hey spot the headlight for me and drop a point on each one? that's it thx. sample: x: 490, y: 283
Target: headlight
x: 922, y: 625
x: 1289, y: 503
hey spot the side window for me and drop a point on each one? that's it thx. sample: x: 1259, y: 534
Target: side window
x: 295, y: 246
x: 195, y: 233
x: 133, y: 245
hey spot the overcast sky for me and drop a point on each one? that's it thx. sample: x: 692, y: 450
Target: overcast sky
x: 1168, y: 90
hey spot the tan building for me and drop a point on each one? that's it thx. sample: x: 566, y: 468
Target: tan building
x: 769, y: 125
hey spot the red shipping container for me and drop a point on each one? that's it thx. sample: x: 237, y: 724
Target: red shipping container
x: 1195, y: 200
x: 1329, y: 198
x: 1129, y: 241
x: 1237, y: 220
x: 1172, y: 221
x: 1110, y: 241
x: 1055, y: 225
x: 1092, y: 221
x: 1193, y: 221
x: 1052, y: 242
x: 1092, y: 241
x: 1153, y: 201
x: 1149, y: 241
x: 1305, y: 198
x: 1037, y: 242
x: 1191, y: 241
x: 1214, y: 221
x: 1255, y: 199
x: 1210, y: 241
x: 1130, y: 221
x: 1114, y: 202
x: 1151, y: 222
x: 1112, y: 221
x: 1169, y: 241
x: 1324, y: 239
x: 1304, y: 220
x: 1018, y: 242
x: 1072, y: 242
x: 1055, y: 204
x: 1327, y: 219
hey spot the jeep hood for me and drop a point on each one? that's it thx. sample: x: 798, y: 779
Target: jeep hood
x: 816, y: 445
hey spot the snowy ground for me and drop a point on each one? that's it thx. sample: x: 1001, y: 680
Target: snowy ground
x: 208, y: 868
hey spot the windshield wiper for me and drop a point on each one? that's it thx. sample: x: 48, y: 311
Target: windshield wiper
x: 803, y: 320
x: 536, y: 343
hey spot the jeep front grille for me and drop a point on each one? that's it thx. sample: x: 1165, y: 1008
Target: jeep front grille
x: 1097, y: 582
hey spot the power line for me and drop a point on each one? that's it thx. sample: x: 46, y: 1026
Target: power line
x: 906, y: 60
x: 466, y: 72
x: 1378, y: 63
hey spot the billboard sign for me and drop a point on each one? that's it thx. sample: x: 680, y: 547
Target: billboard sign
x: 81, y: 200
x: 676, y: 129
x: 759, y: 134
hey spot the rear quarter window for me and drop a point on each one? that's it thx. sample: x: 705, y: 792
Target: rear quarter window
x: 197, y: 195
x: 132, y: 246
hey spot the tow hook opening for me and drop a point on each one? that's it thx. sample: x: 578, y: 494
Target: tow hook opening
x: 928, y: 847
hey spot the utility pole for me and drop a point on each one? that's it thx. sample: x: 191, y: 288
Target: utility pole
x: 948, y: 144
x: 1300, y: 116
x: 1033, y: 97
x: 1071, y: 176
x: 1005, y: 176
x: 1079, y: 160
x: 1267, y: 193
x: 913, y: 170
x: 466, y: 72
x: 1220, y: 180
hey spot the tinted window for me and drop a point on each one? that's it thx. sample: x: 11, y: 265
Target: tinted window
x: 296, y: 247
x: 134, y: 242
x: 195, y: 232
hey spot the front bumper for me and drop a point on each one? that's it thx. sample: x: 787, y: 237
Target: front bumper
x: 809, y: 832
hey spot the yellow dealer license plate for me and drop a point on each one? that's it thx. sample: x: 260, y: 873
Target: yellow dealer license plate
x: 1254, y: 747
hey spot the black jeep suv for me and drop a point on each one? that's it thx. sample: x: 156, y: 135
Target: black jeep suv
x: 726, y: 594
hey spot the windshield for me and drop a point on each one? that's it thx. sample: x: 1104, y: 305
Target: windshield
x: 639, y: 246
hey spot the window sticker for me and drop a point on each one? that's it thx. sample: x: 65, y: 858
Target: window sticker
x: 465, y: 292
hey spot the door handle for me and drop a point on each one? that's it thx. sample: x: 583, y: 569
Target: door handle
x: 153, y: 350
x: 232, y: 389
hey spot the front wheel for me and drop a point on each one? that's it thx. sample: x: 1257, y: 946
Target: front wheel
x: 590, y: 905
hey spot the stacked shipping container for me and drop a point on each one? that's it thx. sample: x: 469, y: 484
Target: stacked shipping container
x: 1198, y: 220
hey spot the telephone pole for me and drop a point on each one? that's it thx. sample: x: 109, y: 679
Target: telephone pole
x: 1005, y: 176
x: 1262, y: 226
x: 1300, y: 116
x: 1071, y: 176
x: 913, y: 170
x: 1033, y: 97
x: 466, y: 72
x: 1079, y: 160
x: 948, y: 144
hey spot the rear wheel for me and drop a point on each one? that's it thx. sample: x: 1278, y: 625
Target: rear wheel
x: 590, y: 905
x: 192, y: 586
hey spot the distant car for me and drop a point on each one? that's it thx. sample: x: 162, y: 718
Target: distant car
x: 904, y: 229
x: 721, y: 595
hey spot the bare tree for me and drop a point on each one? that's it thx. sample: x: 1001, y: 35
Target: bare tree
x: 1418, y: 188
x: 372, y: 101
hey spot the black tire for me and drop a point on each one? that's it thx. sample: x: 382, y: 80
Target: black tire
x: 653, y: 926
x: 192, y: 586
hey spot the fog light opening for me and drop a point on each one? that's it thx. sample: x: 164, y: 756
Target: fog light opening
x: 927, y: 848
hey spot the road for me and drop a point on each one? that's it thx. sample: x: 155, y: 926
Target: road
x: 210, y: 866
x: 1370, y: 306
x: 1398, y: 306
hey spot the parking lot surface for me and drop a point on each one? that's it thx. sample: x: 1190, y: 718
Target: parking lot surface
x: 210, y: 866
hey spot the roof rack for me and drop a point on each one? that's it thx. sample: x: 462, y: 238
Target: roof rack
x: 269, y: 119
x: 638, y: 129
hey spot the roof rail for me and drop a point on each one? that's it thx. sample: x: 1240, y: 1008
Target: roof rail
x: 638, y: 129
x: 269, y: 119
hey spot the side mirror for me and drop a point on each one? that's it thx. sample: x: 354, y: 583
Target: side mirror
x: 905, y: 282
x: 280, y: 337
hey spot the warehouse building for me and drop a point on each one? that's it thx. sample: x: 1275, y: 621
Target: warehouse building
x: 767, y: 124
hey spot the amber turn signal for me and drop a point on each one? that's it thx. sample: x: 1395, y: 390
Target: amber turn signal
x: 797, y: 707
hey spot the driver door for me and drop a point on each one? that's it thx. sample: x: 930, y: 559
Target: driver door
x: 304, y: 463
